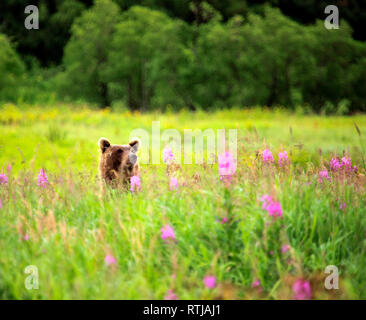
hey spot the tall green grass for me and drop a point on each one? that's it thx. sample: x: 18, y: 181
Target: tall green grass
x: 71, y: 225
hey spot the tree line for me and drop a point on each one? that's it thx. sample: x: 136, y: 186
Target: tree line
x: 147, y: 59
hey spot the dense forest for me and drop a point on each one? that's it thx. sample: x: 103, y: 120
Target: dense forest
x: 176, y: 54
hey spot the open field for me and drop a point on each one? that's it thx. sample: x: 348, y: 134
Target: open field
x: 90, y: 245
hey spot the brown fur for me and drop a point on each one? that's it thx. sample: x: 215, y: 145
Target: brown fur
x: 118, y: 163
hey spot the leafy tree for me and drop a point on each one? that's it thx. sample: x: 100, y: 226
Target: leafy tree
x: 45, y: 44
x: 11, y: 69
x: 333, y: 66
x: 86, y: 52
x: 145, y: 58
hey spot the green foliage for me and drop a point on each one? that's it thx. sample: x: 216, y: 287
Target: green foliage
x: 86, y: 53
x: 153, y: 61
x: 144, y: 59
x: 11, y: 70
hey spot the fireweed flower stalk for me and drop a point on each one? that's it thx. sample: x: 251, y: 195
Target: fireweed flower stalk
x: 110, y: 260
x: 302, y: 290
x: 167, y: 233
x: 171, y: 295
x: 282, y: 158
x: 210, y: 282
x: 323, y: 175
x: 345, y: 164
x: 42, y: 180
x: 335, y: 165
x: 168, y: 155
x: 267, y: 156
x: 135, y: 183
x: 3, y: 178
x: 227, y: 166
x: 273, y: 208
x: 173, y: 183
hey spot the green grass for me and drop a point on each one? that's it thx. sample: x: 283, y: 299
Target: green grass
x: 72, y: 225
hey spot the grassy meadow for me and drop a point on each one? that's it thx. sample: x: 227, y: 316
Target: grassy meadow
x: 69, y: 228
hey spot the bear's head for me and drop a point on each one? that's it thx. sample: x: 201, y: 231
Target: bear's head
x: 118, y: 161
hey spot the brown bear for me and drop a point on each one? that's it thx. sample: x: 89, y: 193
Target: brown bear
x: 118, y: 163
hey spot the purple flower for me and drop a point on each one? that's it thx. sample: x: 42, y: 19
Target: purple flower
x: 3, y: 178
x: 171, y: 295
x: 346, y: 163
x: 224, y: 220
x: 135, y: 183
x: 26, y: 237
x: 167, y: 232
x: 302, y: 290
x: 285, y: 248
x: 256, y: 284
x: 335, y: 165
x: 227, y: 165
x: 273, y: 208
x: 42, y: 179
x: 323, y: 175
x: 110, y: 260
x: 282, y: 158
x: 168, y: 154
x: 342, y: 206
x: 210, y: 282
x: 173, y: 184
x: 267, y: 156
x: 266, y: 199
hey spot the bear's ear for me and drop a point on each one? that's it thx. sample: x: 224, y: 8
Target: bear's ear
x: 135, y: 144
x: 103, y: 144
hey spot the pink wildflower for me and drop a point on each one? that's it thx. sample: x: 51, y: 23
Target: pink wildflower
x: 171, y: 295
x: 167, y: 232
x: 267, y: 156
x: 285, y: 248
x: 1, y: 204
x: 173, y: 184
x: 3, y: 178
x: 210, y: 282
x: 168, y: 154
x: 323, y: 175
x: 256, y: 284
x: 26, y: 237
x: 347, y: 163
x: 135, y: 183
x: 42, y: 179
x: 335, y: 165
x: 266, y: 199
x: 342, y: 206
x: 227, y: 165
x: 110, y: 260
x: 282, y: 158
x: 273, y: 208
x: 302, y: 290
x: 224, y: 220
